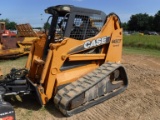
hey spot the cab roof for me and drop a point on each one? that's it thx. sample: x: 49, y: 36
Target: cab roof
x: 64, y: 9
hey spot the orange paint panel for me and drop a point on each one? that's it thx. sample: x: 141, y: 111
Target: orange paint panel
x: 73, y: 74
x: 78, y: 57
x: 114, y: 53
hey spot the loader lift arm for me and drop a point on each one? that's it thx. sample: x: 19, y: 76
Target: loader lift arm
x: 78, y: 63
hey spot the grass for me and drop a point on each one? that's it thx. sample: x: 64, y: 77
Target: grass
x: 142, y: 41
x: 141, y: 51
x: 142, y: 44
x: 6, y: 65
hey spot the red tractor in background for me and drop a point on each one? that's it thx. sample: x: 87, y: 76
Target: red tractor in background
x: 4, y: 32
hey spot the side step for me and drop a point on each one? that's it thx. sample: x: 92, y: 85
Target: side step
x: 91, y: 89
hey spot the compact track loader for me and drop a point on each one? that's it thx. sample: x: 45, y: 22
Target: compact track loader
x: 77, y: 64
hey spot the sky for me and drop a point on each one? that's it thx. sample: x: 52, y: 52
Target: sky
x: 32, y: 11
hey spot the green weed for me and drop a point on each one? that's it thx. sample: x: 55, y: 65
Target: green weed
x: 142, y: 41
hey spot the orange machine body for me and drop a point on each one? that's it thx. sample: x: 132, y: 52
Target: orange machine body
x: 49, y: 73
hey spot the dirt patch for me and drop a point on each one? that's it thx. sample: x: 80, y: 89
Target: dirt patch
x: 141, y: 100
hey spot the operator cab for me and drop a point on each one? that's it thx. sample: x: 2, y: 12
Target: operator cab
x: 74, y: 22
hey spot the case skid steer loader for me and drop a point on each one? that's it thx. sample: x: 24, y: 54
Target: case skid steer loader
x: 77, y: 64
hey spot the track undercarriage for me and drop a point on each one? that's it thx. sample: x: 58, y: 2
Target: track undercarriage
x: 103, y: 83
x: 107, y: 81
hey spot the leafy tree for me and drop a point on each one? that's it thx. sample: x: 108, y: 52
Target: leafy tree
x: 151, y: 24
x: 156, y: 21
x: 124, y: 26
x: 46, y: 26
x: 9, y: 25
x: 139, y: 22
x: 37, y: 27
x: 5, y: 20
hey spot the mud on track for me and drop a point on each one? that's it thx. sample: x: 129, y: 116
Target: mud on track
x: 141, y: 100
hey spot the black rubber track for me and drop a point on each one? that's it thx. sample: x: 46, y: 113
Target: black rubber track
x: 65, y: 95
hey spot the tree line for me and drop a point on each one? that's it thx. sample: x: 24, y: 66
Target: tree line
x: 137, y: 22
x: 143, y: 22
x: 10, y: 25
